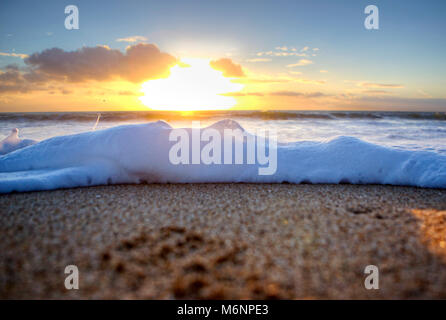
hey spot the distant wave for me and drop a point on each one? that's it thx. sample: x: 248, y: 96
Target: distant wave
x: 201, y: 115
x: 139, y: 153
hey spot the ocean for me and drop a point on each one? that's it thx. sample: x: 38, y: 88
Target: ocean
x: 65, y: 150
x: 402, y: 130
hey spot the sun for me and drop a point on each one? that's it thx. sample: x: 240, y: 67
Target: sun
x: 192, y: 85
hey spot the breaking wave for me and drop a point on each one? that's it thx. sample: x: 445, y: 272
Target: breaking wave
x: 140, y: 153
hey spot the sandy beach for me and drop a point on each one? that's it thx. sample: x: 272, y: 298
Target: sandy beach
x: 224, y: 241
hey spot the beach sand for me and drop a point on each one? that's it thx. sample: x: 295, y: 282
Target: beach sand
x: 224, y: 241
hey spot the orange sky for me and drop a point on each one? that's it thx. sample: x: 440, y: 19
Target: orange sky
x: 278, y: 54
x: 145, y: 78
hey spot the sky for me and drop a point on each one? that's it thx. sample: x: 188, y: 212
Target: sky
x: 186, y: 55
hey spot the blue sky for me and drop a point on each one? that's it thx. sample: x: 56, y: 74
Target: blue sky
x: 408, y: 49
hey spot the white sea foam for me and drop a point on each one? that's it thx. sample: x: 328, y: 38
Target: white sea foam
x: 13, y: 142
x: 140, y: 153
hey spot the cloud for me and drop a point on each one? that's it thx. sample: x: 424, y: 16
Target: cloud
x: 132, y: 39
x: 228, y: 67
x: 287, y: 93
x: 139, y: 62
x: 281, y: 54
x: 259, y: 60
x: 263, y: 53
x: 66, y: 91
x: 289, y: 54
x: 424, y: 94
x: 376, y: 92
x: 13, y: 81
x: 379, y: 85
x: 308, y: 81
x: 284, y: 51
x: 323, y: 71
x: 16, y: 55
x: 277, y: 94
x: 297, y: 94
x: 302, y: 62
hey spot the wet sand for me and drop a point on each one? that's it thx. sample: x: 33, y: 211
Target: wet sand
x: 224, y: 241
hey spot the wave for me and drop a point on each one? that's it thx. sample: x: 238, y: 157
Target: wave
x: 119, y: 116
x: 140, y: 153
x: 13, y: 142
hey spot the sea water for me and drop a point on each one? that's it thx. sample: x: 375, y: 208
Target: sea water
x: 75, y: 149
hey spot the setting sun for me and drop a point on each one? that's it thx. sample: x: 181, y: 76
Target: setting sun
x: 193, y: 85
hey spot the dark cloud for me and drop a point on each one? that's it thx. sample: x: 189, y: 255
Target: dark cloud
x: 315, y: 95
x: 228, y: 67
x: 12, y: 81
x: 12, y: 67
x: 287, y: 93
x: 16, y: 80
x: 10, y: 76
x: 139, y: 62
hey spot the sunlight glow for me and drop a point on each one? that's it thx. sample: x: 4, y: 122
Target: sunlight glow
x: 193, y: 86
